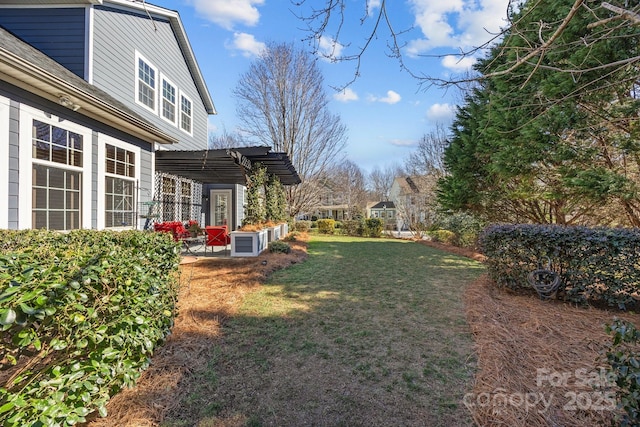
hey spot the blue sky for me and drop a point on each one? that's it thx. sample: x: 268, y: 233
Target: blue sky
x: 385, y: 111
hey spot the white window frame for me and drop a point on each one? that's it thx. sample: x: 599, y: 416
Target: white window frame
x: 27, y: 116
x: 5, y: 106
x: 176, y: 104
x: 228, y: 209
x: 139, y: 57
x: 190, y: 131
x: 103, y: 140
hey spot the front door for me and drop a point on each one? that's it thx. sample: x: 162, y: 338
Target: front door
x: 220, y: 208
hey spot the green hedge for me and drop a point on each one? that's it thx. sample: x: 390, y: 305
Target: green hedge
x: 302, y: 226
x: 373, y: 227
x: 595, y: 264
x: 443, y: 236
x: 326, y: 226
x: 81, y: 314
x: 353, y: 227
x: 624, y: 369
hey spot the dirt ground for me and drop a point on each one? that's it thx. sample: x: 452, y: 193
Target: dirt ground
x: 538, y: 361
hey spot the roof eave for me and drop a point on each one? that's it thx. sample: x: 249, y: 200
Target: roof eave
x: 29, y: 77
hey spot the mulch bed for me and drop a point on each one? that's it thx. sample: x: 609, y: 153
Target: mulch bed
x: 533, y: 357
x: 211, y: 291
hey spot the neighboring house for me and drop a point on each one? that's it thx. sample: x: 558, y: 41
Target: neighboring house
x: 333, y: 204
x: 91, y: 92
x: 386, y: 211
x: 412, y: 197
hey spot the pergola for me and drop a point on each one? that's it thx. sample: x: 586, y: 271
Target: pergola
x: 226, y: 165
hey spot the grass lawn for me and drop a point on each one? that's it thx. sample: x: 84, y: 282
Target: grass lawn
x: 365, y: 332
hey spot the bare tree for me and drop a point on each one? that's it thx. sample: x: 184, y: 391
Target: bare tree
x: 225, y: 140
x: 428, y: 158
x: 349, y: 180
x: 381, y: 179
x: 605, y: 21
x: 282, y: 103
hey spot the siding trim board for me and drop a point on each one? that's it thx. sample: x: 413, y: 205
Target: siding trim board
x: 5, y: 128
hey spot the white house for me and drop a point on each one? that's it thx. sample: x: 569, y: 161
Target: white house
x: 411, y: 196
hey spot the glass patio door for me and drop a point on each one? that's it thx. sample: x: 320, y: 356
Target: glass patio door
x: 221, y: 207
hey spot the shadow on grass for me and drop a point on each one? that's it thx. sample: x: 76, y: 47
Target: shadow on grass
x: 365, y: 332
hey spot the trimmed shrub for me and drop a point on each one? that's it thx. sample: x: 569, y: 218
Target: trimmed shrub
x: 353, y: 227
x: 291, y: 237
x: 466, y: 228
x: 624, y: 362
x: 81, y: 313
x: 279, y: 247
x: 443, y: 236
x: 374, y: 227
x: 326, y: 226
x: 594, y: 264
x: 302, y: 226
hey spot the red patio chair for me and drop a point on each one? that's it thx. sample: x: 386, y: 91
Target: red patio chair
x: 217, y: 236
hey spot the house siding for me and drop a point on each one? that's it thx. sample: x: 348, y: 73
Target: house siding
x: 117, y: 36
x: 18, y: 97
x: 57, y: 32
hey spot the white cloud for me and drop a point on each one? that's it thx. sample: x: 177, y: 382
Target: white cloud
x: 403, y: 142
x: 458, y: 64
x: 346, y: 95
x: 329, y: 49
x: 247, y: 44
x: 373, y: 5
x: 456, y: 23
x: 391, y: 98
x: 441, y: 113
x: 227, y: 13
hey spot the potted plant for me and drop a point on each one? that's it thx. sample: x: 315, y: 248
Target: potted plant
x: 194, y: 228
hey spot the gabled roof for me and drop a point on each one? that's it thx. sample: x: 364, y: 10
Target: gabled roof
x: 27, y: 68
x: 381, y: 205
x: 183, y: 41
x: 226, y: 166
x: 146, y: 9
x: 414, y: 184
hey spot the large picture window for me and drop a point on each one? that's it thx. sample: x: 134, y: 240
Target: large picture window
x: 56, y: 190
x: 119, y: 187
x: 56, y: 198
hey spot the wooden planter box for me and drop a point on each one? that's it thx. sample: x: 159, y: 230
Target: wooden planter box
x: 248, y: 243
x: 274, y: 233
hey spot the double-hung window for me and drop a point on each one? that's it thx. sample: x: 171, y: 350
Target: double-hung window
x: 120, y: 188
x: 56, y: 177
x: 186, y: 114
x: 146, y: 83
x: 169, y: 101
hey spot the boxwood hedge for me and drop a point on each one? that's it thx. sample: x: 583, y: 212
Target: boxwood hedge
x: 595, y: 264
x: 81, y: 314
